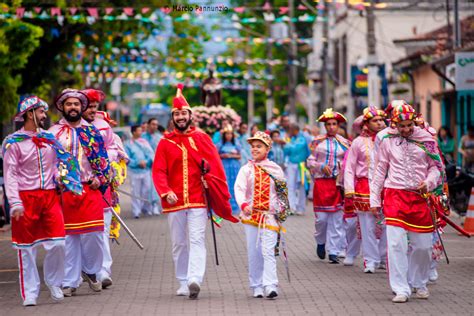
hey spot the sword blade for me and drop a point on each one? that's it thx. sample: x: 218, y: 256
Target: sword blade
x: 133, y: 196
x: 125, y: 227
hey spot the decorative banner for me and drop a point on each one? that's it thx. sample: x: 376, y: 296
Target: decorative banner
x: 144, y: 56
x: 127, y: 14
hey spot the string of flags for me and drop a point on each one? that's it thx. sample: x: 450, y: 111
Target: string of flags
x: 146, y: 14
x: 171, y: 80
x: 144, y: 56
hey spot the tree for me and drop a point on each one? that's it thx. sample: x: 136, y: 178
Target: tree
x: 18, y: 40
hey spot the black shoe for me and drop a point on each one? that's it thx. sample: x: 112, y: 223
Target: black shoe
x: 333, y: 259
x: 321, y: 251
x: 272, y: 295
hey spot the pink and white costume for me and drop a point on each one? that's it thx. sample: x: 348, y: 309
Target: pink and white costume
x: 402, y: 165
x: 327, y: 199
x: 30, y: 170
x: 356, y: 183
x: 112, y: 148
x: 84, y: 241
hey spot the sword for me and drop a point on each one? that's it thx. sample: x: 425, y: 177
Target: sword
x: 122, y: 223
x: 133, y: 196
x: 206, y: 190
x: 433, y: 218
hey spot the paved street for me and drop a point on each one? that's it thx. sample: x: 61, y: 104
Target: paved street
x: 144, y: 281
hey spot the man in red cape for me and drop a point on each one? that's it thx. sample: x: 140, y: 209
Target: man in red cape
x: 177, y: 172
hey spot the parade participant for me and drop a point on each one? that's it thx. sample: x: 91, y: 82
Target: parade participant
x: 177, y: 170
x: 119, y: 168
x: 83, y: 215
x: 325, y: 165
x: 409, y: 166
x: 356, y: 186
x: 34, y: 162
x: 153, y: 137
x: 96, y: 97
x: 296, y: 152
x: 229, y: 151
x: 141, y: 160
x: 242, y: 139
x: 276, y: 153
x: 258, y: 199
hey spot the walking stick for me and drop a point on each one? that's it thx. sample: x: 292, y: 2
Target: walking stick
x: 209, y: 209
x: 125, y: 227
x: 433, y: 218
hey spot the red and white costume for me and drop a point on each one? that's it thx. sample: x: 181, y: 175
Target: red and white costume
x: 402, y: 165
x: 83, y: 215
x: 327, y: 198
x: 356, y: 183
x: 177, y: 169
x: 254, y: 188
x: 29, y: 172
x: 111, y: 146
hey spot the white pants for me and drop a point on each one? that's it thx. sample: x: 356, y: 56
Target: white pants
x: 188, y: 232
x: 374, y: 250
x: 404, y: 266
x: 106, y: 270
x: 296, y: 191
x: 353, y: 243
x: 83, y: 253
x: 261, y: 257
x: 53, y: 268
x: 141, y: 186
x: 330, y: 230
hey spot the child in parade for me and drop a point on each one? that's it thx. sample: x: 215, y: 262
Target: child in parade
x: 260, y: 191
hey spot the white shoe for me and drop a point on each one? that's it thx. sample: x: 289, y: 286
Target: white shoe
x: 258, y: 292
x: 183, y: 290
x: 194, y: 289
x: 400, y: 298
x: 422, y: 294
x: 29, y: 302
x: 348, y: 261
x: 433, y: 276
x: 382, y: 266
x: 56, y: 293
x: 156, y: 210
x: 342, y: 254
x: 369, y: 270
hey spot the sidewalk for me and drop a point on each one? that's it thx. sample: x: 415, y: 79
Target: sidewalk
x: 144, y: 281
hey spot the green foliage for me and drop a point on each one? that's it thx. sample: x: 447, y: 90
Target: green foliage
x: 18, y: 40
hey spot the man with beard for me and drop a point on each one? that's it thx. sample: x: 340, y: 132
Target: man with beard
x: 31, y: 160
x: 180, y: 160
x: 83, y: 215
x: 96, y: 97
x: 409, y: 166
x: 356, y: 186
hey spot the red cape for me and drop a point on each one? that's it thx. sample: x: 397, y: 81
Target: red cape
x: 199, y: 147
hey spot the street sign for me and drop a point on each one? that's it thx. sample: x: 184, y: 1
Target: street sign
x: 465, y: 71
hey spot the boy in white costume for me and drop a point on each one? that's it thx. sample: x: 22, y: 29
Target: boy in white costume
x: 260, y: 192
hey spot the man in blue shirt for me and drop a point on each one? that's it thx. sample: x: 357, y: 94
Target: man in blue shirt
x: 153, y: 137
x: 139, y: 169
x: 296, y: 152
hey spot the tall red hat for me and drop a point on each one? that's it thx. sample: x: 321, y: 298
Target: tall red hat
x: 94, y: 95
x: 179, y: 101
